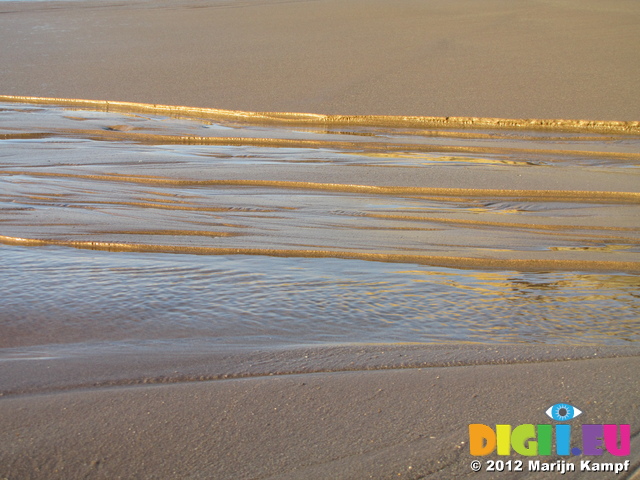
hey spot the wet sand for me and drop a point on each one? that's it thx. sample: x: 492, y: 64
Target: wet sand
x: 571, y: 59
x: 408, y: 423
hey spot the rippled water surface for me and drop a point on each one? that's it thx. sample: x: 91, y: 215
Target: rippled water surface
x: 53, y: 294
x: 119, y: 227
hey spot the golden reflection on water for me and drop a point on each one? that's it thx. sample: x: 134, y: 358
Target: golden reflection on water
x: 496, y: 202
x: 100, y: 185
x: 254, y: 299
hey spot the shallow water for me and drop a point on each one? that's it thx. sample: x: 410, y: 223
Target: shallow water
x: 132, y: 227
x: 60, y: 295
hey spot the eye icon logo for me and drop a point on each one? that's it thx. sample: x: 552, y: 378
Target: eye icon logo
x: 562, y: 412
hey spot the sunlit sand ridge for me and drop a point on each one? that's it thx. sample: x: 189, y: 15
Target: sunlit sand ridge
x: 472, y: 198
x: 293, y: 118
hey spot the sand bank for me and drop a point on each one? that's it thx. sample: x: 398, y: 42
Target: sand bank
x: 570, y: 59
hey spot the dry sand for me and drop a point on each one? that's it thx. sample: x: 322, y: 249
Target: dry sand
x: 503, y: 58
x: 496, y: 58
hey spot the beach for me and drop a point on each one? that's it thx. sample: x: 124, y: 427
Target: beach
x: 408, y: 423
x: 248, y: 239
